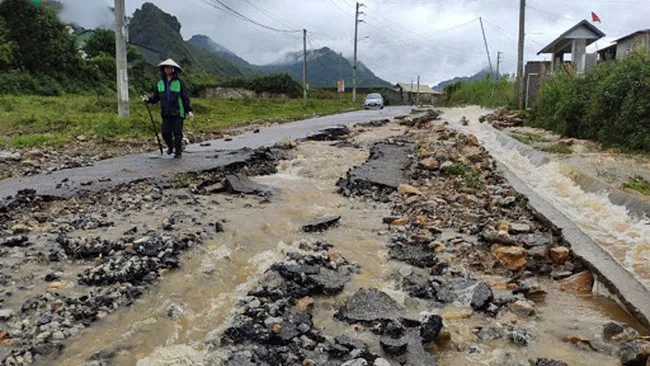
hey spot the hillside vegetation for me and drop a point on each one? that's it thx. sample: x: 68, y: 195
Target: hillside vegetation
x: 609, y: 104
x: 153, y: 28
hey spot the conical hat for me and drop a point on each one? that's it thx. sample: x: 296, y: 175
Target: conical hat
x: 170, y: 62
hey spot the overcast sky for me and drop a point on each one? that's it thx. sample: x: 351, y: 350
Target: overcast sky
x: 437, y: 39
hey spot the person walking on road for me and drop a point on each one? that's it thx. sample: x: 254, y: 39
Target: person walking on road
x: 175, y: 105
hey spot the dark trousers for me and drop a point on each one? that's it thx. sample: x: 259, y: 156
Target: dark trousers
x: 172, y: 131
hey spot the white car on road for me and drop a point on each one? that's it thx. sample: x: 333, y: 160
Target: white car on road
x: 374, y: 100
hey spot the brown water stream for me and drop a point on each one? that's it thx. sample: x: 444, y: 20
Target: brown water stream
x: 213, y: 276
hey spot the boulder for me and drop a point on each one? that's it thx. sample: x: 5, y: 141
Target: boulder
x: 523, y: 308
x: 559, y: 255
x: 408, y: 190
x: 242, y: 184
x: 512, y: 257
x: 582, y: 282
x: 370, y: 306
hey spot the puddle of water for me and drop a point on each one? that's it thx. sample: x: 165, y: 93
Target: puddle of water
x: 213, y: 276
x: 625, y: 236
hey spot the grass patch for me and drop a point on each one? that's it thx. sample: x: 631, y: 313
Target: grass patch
x: 31, y: 121
x: 639, y: 184
x: 558, y: 149
x: 465, y: 177
x: 488, y: 93
x: 529, y: 138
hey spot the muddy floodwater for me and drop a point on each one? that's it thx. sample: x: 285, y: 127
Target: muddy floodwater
x: 214, y: 275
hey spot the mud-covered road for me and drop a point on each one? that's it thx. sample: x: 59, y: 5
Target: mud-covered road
x: 395, y: 242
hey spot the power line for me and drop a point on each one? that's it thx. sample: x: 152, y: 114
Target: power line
x: 224, y: 7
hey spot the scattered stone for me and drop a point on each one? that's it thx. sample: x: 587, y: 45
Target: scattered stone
x: 370, y: 306
x: 321, y: 224
x: 356, y: 362
x: 6, y: 156
x: 582, y: 282
x: 405, y: 271
x: 6, y: 314
x: 547, y: 362
x: 521, y: 336
x: 536, y: 240
x: 612, y: 329
x: 430, y: 328
x: 168, y: 224
x: 14, y: 241
x: 430, y: 163
x: 394, y: 347
x: 305, y: 304
x: 517, y: 228
x: 218, y: 227
x: 523, y: 308
x: 286, y: 144
x: 381, y: 362
x: 559, y: 255
x: 175, y: 312
x: 635, y: 353
x: 482, y: 296
x: 491, y: 332
x: 374, y: 123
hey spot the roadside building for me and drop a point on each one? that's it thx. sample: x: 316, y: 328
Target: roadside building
x: 575, y: 42
x: 427, y: 94
x: 637, y: 41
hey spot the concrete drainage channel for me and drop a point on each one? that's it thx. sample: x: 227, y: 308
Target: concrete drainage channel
x: 621, y: 283
x: 626, y: 288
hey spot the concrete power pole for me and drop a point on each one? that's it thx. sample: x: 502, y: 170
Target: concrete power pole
x: 341, y: 78
x: 356, y: 41
x: 121, y: 63
x: 487, y: 49
x: 304, y: 66
x: 499, y: 64
x: 417, y: 98
x: 520, y: 53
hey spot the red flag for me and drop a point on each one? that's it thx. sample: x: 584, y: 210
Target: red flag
x: 595, y: 18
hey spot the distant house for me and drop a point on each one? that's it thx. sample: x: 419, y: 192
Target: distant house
x: 427, y: 94
x: 639, y: 40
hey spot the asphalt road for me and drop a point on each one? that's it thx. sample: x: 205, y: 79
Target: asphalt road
x: 120, y: 170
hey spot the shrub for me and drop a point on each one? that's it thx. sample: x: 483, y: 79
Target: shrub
x: 277, y: 84
x: 608, y: 104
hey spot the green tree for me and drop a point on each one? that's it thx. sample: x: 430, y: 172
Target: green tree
x: 43, y: 44
x: 6, y: 48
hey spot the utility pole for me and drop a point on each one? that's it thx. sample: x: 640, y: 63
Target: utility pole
x: 121, y: 63
x: 487, y: 49
x: 499, y: 64
x: 341, y: 78
x: 356, y: 40
x: 417, y: 98
x: 520, y: 53
x: 304, y: 66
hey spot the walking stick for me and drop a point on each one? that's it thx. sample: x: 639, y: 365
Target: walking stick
x: 155, y: 129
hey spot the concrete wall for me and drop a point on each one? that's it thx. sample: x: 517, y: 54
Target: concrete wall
x: 626, y: 47
x: 536, y: 72
x: 237, y: 93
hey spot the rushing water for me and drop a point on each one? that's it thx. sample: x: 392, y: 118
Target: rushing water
x: 626, y: 236
x: 213, y: 276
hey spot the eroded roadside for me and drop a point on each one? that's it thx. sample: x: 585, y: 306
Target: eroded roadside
x: 435, y: 260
